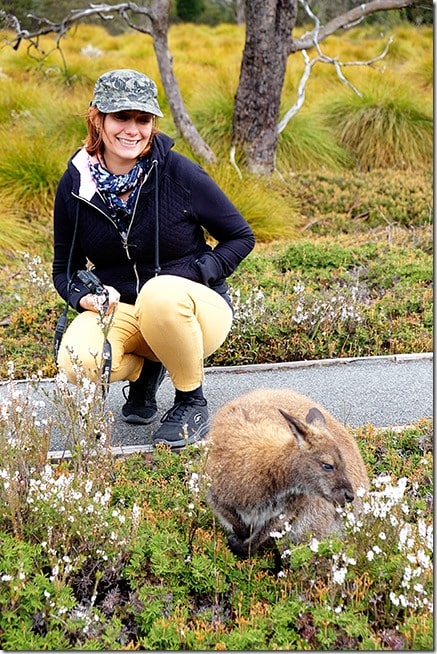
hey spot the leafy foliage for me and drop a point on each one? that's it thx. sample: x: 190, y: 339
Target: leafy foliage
x: 323, y: 299
x: 362, y: 296
x: 351, y: 202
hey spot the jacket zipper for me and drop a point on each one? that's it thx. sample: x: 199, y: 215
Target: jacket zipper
x: 124, y: 239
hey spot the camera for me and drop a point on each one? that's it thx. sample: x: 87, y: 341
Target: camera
x: 94, y: 285
x: 91, y: 281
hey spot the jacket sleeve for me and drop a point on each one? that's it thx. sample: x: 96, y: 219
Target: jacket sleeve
x: 217, y: 214
x: 67, y: 260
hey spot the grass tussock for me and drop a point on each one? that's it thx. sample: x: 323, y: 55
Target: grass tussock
x: 44, y: 98
x: 386, y: 127
x: 18, y: 229
x: 26, y: 172
x: 215, y: 115
x: 423, y: 72
x: 307, y: 144
x: 274, y: 213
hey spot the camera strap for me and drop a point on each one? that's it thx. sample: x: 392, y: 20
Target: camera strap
x: 61, y: 324
x: 107, y: 364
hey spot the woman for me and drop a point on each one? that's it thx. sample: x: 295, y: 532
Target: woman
x: 138, y: 211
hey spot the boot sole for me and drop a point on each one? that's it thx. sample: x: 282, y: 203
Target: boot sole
x: 197, y: 436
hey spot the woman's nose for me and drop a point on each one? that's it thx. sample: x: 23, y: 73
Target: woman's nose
x: 131, y: 127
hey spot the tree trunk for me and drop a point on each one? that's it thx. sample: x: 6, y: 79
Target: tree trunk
x: 239, y: 12
x: 269, y: 25
x: 179, y: 113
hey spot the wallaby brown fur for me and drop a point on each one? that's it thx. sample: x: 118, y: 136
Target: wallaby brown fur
x: 276, y: 455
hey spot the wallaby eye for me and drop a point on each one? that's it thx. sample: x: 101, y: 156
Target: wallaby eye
x: 327, y: 466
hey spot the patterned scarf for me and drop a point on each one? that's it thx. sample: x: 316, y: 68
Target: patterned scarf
x: 111, y: 186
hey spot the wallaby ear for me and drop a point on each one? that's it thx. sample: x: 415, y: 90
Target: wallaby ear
x: 298, y: 428
x: 314, y: 415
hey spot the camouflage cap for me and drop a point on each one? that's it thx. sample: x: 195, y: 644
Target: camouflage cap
x: 125, y: 89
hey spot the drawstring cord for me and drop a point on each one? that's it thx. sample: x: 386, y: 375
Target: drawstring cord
x: 157, y: 263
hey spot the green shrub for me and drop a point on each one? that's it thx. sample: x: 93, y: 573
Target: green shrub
x: 307, y: 255
x: 310, y: 299
x: 322, y: 300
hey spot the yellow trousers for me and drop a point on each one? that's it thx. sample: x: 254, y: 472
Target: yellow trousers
x: 174, y: 320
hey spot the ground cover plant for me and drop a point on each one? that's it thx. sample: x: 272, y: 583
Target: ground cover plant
x: 103, y: 553
x: 111, y: 554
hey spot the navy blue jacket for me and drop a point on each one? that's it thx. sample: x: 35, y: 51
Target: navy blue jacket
x: 166, y: 234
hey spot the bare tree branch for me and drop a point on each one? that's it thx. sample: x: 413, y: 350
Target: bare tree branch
x: 346, y: 21
x: 45, y: 26
x: 322, y: 58
x: 309, y: 63
x: 233, y: 162
x: 156, y: 26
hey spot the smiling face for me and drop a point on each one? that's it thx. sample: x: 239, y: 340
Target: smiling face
x: 125, y: 135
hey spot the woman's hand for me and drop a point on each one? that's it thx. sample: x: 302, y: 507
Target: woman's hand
x: 93, y: 302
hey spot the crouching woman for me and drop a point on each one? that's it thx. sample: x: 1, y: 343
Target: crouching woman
x: 136, y: 211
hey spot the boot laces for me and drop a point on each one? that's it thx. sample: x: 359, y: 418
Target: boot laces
x: 179, y: 410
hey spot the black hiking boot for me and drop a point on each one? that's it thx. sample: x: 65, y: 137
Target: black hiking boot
x: 186, y: 422
x: 140, y: 407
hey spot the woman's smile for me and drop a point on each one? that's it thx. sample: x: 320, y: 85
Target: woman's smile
x: 127, y: 142
x: 125, y: 135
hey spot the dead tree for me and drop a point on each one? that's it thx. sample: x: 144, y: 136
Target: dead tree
x: 269, y: 43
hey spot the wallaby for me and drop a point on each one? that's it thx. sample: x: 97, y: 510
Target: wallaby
x: 276, y: 455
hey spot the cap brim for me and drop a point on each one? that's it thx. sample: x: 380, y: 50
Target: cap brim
x: 129, y: 105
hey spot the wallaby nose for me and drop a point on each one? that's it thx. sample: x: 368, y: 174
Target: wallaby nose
x: 342, y: 495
